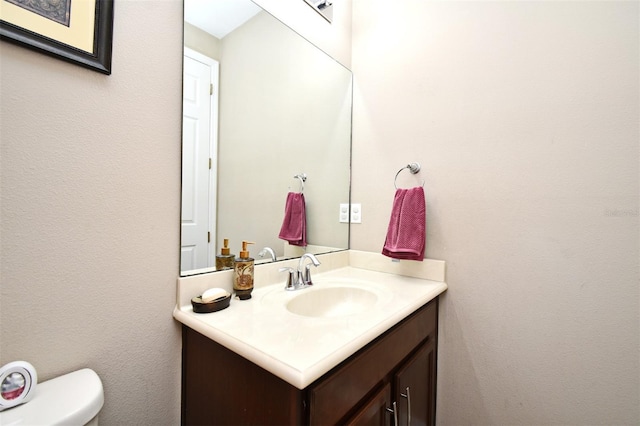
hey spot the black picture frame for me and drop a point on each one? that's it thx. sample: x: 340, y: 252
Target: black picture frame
x: 98, y: 60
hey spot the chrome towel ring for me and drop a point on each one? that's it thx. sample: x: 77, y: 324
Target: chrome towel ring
x: 413, y: 168
x: 303, y: 179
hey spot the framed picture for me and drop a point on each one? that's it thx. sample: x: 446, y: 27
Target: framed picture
x: 78, y: 31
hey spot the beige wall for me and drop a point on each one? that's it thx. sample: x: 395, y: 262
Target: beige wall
x: 524, y: 116
x: 298, y: 103
x: 90, y: 214
x: 201, y: 41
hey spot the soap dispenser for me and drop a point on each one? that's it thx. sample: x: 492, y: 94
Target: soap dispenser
x: 243, y: 274
x: 225, y: 259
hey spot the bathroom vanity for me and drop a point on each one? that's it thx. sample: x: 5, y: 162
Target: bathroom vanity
x: 397, y: 369
x: 275, y: 360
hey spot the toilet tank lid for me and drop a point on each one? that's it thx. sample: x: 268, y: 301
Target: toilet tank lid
x: 73, y: 398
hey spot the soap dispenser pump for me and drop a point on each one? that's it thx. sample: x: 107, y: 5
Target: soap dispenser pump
x: 225, y: 259
x: 243, y: 273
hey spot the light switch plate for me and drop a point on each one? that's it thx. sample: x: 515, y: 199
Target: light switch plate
x: 356, y: 213
x: 344, y: 213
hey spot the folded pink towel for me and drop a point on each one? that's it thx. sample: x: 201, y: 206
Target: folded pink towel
x: 406, y: 235
x: 294, y: 224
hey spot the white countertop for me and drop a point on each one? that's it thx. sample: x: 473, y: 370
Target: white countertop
x: 300, y: 349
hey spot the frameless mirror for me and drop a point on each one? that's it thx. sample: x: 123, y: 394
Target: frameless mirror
x: 261, y: 105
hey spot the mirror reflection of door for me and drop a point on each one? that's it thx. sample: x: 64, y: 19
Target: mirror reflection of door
x: 199, y: 152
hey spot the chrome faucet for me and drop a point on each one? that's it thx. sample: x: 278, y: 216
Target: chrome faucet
x: 300, y: 278
x: 304, y: 278
x: 269, y: 250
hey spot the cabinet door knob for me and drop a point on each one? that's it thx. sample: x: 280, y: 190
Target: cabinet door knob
x: 394, y: 411
x: 408, y: 396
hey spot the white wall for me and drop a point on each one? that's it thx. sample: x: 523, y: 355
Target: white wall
x: 334, y: 38
x: 90, y: 198
x: 524, y: 116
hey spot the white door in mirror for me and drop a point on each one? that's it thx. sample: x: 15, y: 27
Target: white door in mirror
x: 213, y: 294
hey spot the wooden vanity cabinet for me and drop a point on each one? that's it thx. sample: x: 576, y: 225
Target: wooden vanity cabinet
x: 220, y: 387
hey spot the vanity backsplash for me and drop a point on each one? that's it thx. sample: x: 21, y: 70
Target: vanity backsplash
x: 269, y: 273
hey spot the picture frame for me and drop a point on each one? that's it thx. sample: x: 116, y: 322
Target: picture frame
x: 82, y: 33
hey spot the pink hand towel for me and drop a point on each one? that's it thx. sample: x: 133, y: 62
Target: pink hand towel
x: 294, y: 224
x: 406, y: 235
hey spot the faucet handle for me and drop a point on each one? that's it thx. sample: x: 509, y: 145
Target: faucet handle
x: 307, y: 274
x: 290, y: 285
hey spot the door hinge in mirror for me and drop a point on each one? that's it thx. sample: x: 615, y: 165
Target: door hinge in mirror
x: 209, y: 163
x: 211, y: 89
x: 208, y: 237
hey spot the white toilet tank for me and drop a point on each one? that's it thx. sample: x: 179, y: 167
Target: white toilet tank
x: 73, y: 399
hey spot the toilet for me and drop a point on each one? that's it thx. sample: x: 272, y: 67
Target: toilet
x: 73, y: 399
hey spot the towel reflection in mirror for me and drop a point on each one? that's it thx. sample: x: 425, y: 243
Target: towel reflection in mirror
x: 294, y: 224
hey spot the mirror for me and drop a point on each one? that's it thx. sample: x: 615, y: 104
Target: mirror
x: 12, y: 386
x: 261, y: 105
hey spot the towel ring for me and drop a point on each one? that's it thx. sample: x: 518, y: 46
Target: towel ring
x: 413, y: 168
x: 303, y: 179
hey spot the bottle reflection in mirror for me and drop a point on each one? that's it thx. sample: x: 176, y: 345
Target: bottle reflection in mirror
x: 225, y: 260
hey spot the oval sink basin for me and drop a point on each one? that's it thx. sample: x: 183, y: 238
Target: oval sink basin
x: 332, y: 302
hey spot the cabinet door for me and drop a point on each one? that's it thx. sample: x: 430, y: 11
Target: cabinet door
x: 374, y: 412
x: 219, y: 387
x: 415, y: 387
x: 336, y: 395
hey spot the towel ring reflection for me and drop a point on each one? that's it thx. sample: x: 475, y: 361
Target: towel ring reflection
x: 413, y: 168
x: 303, y: 179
